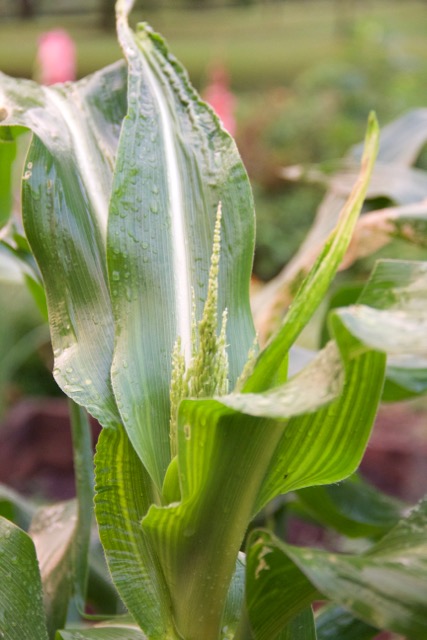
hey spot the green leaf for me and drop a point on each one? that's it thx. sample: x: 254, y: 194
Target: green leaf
x: 318, y: 280
x: 61, y: 533
x: 327, y: 446
x: 399, y: 145
x: 107, y: 631
x: 39, y: 295
x: 317, y: 448
x: 66, y: 189
x: 386, y: 586
x: 301, y: 627
x: 394, y: 286
x: 7, y: 157
x: 21, y: 602
x: 196, y: 548
x: 124, y: 493
x: 353, y: 508
x: 214, y: 434
x: 83, y: 469
x: 323, y: 375
x: 276, y: 591
x: 391, y: 316
x: 401, y: 140
x: 175, y: 164
x: 405, y: 383
x: 393, y: 298
x: 235, y: 599
x: 345, y: 295
x: 333, y: 622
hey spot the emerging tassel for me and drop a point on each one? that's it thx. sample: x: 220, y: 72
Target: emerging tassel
x: 207, y: 372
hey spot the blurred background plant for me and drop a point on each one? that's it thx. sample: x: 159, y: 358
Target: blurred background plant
x: 304, y: 73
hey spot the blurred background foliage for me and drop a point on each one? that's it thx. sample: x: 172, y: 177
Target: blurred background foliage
x: 304, y: 73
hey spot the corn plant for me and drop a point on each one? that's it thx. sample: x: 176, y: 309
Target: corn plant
x: 139, y: 215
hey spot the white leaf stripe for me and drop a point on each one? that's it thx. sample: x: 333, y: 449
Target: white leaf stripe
x: 181, y: 262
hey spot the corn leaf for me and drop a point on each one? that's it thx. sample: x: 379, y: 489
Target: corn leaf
x: 197, y: 550
x: 111, y: 631
x: 231, y: 432
x: 385, y: 587
x: 66, y: 189
x: 175, y: 164
x: 84, y: 480
x: 61, y: 534
x: 21, y: 602
x: 235, y: 598
x: 393, y: 299
x: 276, y: 590
x: 334, y: 622
x: 401, y: 140
x: 7, y: 157
x: 301, y: 627
x: 326, y: 446
x: 318, y: 280
x: 353, y: 508
x: 400, y: 143
x: 391, y: 316
x: 123, y: 495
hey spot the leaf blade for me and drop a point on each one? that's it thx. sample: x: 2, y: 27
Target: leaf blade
x: 175, y: 164
x: 65, y: 206
x: 123, y: 496
x: 326, y: 446
x: 20, y: 586
x: 276, y: 591
x: 321, y: 274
